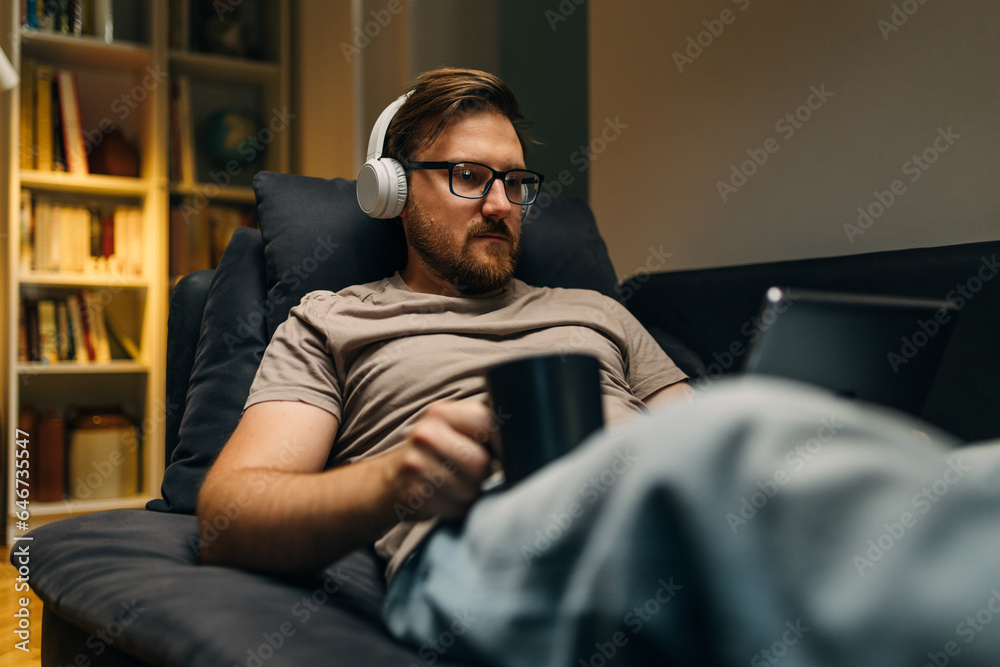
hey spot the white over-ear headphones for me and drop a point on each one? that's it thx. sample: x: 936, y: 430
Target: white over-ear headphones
x: 382, y: 180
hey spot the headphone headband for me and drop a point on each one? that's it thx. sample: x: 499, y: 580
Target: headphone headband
x: 382, y: 180
x: 376, y: 142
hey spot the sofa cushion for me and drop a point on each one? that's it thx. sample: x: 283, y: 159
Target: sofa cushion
x: 230, y: 347
x: 130, y: 578
x: 187, y: 305
x: 317, y: 237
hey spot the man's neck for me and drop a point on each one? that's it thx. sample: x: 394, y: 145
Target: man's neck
x: 427, y: 283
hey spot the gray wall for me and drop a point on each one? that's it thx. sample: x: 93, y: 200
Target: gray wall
x: 666, y: 132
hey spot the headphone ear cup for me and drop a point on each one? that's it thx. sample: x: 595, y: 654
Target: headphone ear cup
x: 382, y: 188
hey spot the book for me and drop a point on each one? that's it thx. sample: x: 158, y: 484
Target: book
x: 135, y: 255
x: 31, y: 326
x: 76, y: 19
x: 26, y: 234
x: 185, y: 131
x: 44, y: 76
x: 117, y: 334
x: 72, y: 129
x: 96, y: 227
x: 27, y: 106
x: 48, y: 10
x: 42, y: 241
x: 48, y: 344
x: 49, y: 465
x: 58, y: 141
x: 80, y: 353
x: 23, y: 351
x: 86, y: 329
x: 64, y: 336
x: 98, y: 328
x: 29, y: 19
x: 190, y: 240
x: 127, y: 256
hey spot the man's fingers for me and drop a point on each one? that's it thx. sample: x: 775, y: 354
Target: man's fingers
x: 457, y: 432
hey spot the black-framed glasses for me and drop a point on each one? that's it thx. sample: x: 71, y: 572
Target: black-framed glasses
x: 472, y: 180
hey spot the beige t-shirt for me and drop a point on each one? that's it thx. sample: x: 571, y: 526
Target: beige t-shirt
x: 376, y: 355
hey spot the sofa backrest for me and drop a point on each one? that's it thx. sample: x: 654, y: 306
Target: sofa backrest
x: 715, y: 312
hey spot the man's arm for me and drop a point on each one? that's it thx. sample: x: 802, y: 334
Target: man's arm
x: 670, y: 393
x: 268, y: 504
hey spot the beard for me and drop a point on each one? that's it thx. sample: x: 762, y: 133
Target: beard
x: 470, y: 270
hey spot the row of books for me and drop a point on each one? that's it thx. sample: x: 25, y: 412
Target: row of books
x: 69, y: 17
x: 66, y: 451
x: 76, y: 328
x: 51, y: 130
x: 69, y: 238
x: 198, y: 236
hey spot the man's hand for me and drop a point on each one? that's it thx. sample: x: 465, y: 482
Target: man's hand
x: 443, y: 461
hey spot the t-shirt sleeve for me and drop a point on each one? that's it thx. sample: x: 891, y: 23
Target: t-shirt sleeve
x: 297, y: 364
x: 647, y: 367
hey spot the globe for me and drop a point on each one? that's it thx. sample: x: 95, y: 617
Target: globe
x: 232, y: 136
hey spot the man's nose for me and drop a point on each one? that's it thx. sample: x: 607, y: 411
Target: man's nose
x: 495, y: 202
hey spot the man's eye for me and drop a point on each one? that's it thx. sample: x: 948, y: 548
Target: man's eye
x: 465, y: 174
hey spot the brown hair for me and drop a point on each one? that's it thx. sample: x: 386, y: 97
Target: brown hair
x: 443, y: 95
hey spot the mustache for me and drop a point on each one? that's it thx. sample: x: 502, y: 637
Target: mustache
x: 491, y: 226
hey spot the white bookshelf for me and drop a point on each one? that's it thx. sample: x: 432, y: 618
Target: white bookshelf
x: 132, y: 68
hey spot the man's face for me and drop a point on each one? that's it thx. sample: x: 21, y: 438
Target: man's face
x: 465, y: 245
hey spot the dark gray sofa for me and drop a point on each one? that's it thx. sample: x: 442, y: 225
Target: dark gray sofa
x: 125, y: 587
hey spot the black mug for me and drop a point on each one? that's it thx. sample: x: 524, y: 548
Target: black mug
x: 545, y: 406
